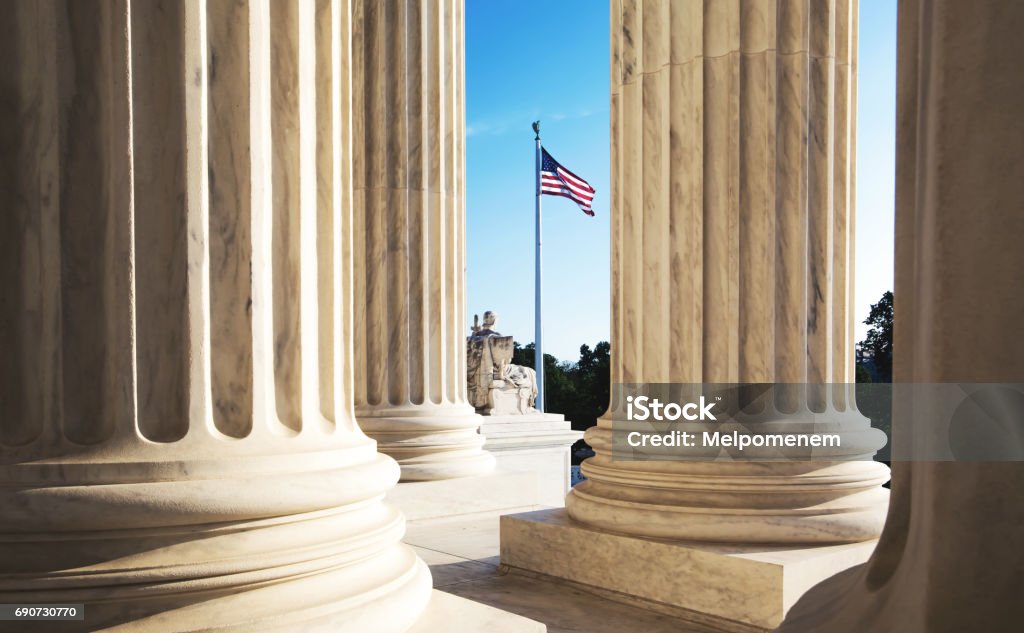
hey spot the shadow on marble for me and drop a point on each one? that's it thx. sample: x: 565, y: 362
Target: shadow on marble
x: 562, y: 608
x: 463, y: 557
x: 453, y: 614
x: 449, y: 570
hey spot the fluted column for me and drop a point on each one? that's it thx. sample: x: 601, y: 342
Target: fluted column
x: 951, y: 555
x: 732, y: 260
x: 179, y: 449
x: 410, y: 320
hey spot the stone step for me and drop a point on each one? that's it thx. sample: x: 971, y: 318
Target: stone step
x: 722, y: 587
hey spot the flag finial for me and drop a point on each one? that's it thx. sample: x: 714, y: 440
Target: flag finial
x: 536, y: 129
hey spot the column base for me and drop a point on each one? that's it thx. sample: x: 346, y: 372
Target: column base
x: 734, y: 588
x: 429, y: 444
x: 292, y: 542
x: 794, y: 502
x: 359, y: 598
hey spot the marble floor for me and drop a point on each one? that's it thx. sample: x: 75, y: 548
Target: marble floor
x: 463, y: 556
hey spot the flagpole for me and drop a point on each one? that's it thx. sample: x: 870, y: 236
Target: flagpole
x: 538, y: 352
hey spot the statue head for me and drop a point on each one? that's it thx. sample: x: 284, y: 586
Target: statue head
x: 490, y: 319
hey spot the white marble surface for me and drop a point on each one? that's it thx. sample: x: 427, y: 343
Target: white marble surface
x: 449, y: 613
x: 500, y: 490
x: 470, y: 537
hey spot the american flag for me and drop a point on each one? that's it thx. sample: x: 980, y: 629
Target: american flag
x: 556, y: 180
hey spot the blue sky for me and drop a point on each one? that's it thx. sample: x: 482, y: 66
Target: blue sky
x: 516, y: 56
x: 876, y: 155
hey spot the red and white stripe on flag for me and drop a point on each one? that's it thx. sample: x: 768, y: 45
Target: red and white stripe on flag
x: 556, y: 180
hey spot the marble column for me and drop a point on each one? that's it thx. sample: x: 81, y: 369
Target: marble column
x: 732, y: 261
x: 951, y: 554
x: 179, y: 448
x: 409, y: 161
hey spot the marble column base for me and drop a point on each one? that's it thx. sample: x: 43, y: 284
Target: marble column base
x: 540, y: 444
x: 429, y: 445
x: 281, y: 543
x: 798, y: 502
x: 452, y: 614
x: 736, y: 588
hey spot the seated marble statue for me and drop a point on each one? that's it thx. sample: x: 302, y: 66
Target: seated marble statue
x: 496, y: 385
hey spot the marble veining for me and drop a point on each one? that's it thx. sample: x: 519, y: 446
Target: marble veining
x: 410, y: 385
x: 177, y: 414
x: 732, y: 158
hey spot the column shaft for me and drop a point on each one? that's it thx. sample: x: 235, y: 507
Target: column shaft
x: 950, y: 556
x: 410, y: 237
x: 732, y: 158
x: 179, y: 448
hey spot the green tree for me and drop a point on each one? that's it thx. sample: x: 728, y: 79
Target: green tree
x: 579, y: 390
x: 876, y: 348
x: 874, y: 370
x: 592, y: 378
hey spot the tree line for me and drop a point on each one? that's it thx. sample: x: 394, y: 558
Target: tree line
x: 579, y: 390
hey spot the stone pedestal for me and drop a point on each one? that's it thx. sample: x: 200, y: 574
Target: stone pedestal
x: 408, y: 126
x: 179, y: 450
x: 540, y: 444
x: 739, y: 588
